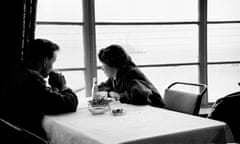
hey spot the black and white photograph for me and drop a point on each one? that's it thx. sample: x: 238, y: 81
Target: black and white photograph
x: 120, y: 72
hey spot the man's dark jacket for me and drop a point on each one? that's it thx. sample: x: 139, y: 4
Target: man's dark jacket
x: 25, y: 99
x: 226, y: 109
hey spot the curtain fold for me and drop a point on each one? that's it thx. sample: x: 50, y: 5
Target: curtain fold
x: 29, y: 19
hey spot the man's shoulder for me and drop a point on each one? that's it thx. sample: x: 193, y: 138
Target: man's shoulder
x: 31, y: 76
x: 228, y: 103
x: 233, y: 97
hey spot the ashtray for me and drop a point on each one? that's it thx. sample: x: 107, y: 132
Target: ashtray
x: 97, y: 110
x: 117, y: 112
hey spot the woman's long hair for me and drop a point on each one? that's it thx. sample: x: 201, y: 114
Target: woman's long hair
x: 115, y: 56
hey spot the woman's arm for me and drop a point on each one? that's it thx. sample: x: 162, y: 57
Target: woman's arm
x: 136, y: 93
x: 106, y: 86
x: 139, y: 90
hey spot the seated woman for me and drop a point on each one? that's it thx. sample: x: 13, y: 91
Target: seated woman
x: 125, y: 81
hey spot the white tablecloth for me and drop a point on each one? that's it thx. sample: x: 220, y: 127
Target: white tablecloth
x: 139, y: 125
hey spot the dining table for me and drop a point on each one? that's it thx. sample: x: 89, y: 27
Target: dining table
x: 135, y: 125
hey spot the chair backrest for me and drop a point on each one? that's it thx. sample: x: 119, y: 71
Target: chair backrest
x: 12, y: 134
x: 182, y: 101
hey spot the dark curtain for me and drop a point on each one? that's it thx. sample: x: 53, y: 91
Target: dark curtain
x: 29, y: 19
x: 18, y: 25
x: 19, y: 21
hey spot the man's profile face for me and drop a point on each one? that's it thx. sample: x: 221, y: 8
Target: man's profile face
x: 48, y: 66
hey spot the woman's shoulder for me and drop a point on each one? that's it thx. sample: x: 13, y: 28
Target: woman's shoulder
x: 131, y: 73
x: 132, y: 70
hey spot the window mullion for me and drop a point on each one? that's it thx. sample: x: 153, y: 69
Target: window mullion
x: 203, y: 45
x: 89, y: 43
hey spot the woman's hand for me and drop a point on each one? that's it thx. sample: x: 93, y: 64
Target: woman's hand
x: 114, y: 95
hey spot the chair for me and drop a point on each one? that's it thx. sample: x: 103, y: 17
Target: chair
x: 182, y: 101
x: 12, y: 134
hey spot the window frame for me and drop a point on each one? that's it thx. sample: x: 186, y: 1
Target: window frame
x: 89, y: 40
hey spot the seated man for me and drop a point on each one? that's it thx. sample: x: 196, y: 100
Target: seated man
x: 25, y: 97
x: 226, y: 110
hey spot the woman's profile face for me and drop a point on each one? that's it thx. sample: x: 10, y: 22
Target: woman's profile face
x: 109, y: 71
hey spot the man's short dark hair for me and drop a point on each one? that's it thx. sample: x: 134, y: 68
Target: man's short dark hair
x: 38, y: 49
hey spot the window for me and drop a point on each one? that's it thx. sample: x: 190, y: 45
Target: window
x: 146, y: 10
x: 223, y: 10
x: 65, y: 28
x: 223, y: 48
x: 59, y: 11
x: 154, y: 33
x: 163, y: 38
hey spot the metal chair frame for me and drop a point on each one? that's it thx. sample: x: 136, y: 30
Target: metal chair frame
x: 23, y: 134
x: 182, y: 101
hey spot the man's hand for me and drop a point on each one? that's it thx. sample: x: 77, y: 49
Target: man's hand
x: 57, y: 80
